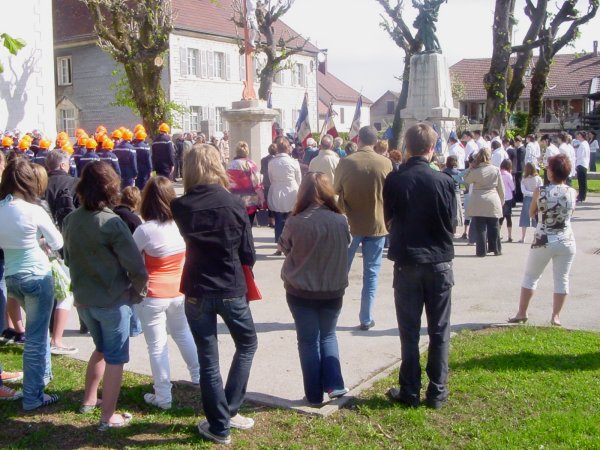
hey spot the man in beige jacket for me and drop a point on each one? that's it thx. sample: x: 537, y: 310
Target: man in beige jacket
x: 327, y: 160
x: 359, y: 182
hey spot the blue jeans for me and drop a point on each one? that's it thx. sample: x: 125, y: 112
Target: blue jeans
x: 35, y: 293
x: 317, y: 344
x: 109, y: 328
x: 222, y: 404
x: 280, y: 218
x: 372, y: 251
x: 429, y: 286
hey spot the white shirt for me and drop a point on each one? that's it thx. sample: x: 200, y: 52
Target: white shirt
x: 583, y: 155
x: 594, y: 146
x: 481, y: 143
x: 159, y: 239
x: 458, y: 151
x: 326, y: 161
x: 285, y: 176
x: 551, y: 150
x: 498, y: 156
x: 569, y: 151
x: 471, y: 149
x: 532, y: 154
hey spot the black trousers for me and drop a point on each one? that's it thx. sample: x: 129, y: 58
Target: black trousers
x: 486, y: 229
x: 518, y: 192
x: 582, y: 182
x: 430, y: 286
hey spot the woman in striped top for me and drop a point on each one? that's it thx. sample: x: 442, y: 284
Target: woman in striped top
x: 162, y: 311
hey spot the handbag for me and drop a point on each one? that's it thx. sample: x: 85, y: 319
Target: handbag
x: 62, y: 279
x: 252, y: 291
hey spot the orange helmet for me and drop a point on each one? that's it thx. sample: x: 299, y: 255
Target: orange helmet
x: 24, y: 144
x: 81, y: 139
x: 100, y: 136
x: 79, y: 132
x: 7, y: 141
x: 127, y: 135
x: 62, y: 136
x: 139, y: 127
x: 68, y: 148
x: 164, y: 128
x: 122, y: 129
x: 140, y: 135
x: 91, y: 144
x: 101, y: 129
x: 117, y: 134
x: 60, y: 142
x: 107, y: 143
x: 45, y: 144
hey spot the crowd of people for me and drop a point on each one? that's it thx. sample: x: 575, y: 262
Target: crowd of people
x: 139, y: 259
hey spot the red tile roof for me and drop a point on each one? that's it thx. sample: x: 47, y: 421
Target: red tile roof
x: 333, y: 89
x: 570, y: 76
x: 72, y: 21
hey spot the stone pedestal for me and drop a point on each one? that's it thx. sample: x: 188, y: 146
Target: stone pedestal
x: 430, y: 95
x: 250, y: 121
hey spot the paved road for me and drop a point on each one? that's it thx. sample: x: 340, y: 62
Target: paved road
x: 486, y: 292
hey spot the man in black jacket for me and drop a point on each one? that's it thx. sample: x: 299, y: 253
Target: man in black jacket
x: 60, y: 193
x: 163, y: 153
x: 419, y: 207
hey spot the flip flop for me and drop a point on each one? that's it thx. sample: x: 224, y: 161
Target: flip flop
x: 104, y: 426
x: 84, y: 409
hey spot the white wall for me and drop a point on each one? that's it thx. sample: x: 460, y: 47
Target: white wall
x: 211, y: 93
x: 27, y: 83
x: 349, y: 108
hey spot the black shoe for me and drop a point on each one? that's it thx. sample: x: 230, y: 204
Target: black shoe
x: 394, y: 394
x: 83, y: 329
x: 434, y: 403
x: 367, y: 326
x: 8, y: 335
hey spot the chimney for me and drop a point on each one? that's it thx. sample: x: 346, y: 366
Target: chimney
x: 595, y: 48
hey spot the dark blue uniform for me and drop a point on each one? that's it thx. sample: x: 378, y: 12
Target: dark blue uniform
x: 89, y: 156
x: 40, y: 157
x: 78, y: 152
x: 109, y: 157
x: 163, y: 155
x: 127, y: 157
x: 144, y: 163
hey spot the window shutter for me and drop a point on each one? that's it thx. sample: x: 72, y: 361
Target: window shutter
x: 211, y: 64
x: 227, y: 66
x: 198, y: 63
x: 295, y: 75
x: 304, y: 76
x: 203, y: 64
x: 242, y: 67
x: 183, y: 68
x: 204, y: 114
x: 211, y: 113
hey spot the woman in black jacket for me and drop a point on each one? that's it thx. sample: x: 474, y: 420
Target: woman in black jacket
x: 218, y: 237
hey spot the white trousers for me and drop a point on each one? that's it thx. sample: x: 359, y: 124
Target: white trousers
x: 561, y: 254
x: 159, y: 317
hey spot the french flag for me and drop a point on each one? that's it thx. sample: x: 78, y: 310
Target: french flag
x: 353, y: 135
x: 329, y: 126
x: 303, y: 124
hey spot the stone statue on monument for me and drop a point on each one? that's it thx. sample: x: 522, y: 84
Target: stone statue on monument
x: 250, y: 36
x: 425, y: 24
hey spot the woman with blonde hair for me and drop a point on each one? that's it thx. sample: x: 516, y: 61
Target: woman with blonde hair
x: 315, y: 242
x: 162, y: 311
x: 244, y: 180
x: 218, y: 236
x: 485, y: 203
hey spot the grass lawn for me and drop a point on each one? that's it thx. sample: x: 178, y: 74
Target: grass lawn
x: 593, y: 185
x: 521, y: 387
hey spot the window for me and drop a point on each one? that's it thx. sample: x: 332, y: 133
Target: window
x: 195, y: 118
x: 63, y: 67
x: 67, y: 120
x: 300, y: 75
x: 219, y: 122
x: 220, y: 65
x: 377, y: 126
x: 390, y: 107
x: 192, y: 62
x: 481, y: 111
x: 342, y: 116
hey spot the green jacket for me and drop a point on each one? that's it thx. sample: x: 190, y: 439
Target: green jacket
x: 106, y: 267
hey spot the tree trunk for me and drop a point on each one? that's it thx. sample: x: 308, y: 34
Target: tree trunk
x: 398, y: 125
x: 495, y: 81
x: 267, y: 74
x: 536, y: 96
x: 144, y: 77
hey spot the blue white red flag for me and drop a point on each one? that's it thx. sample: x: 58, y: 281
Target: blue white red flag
x: 355, y: 127
x: 303, y: 131
x: 329, y: 126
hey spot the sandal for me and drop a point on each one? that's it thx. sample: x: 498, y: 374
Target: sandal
x: 517, y: 320
x: 104, y: 426
x: 555, y: 323
x: 84, y: 409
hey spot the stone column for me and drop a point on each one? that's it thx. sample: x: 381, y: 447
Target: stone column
x: 250, y: 121
x: 430, y: 95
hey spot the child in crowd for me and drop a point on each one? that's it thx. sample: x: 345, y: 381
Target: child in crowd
x: 531, y: 182
x: 509, y: 189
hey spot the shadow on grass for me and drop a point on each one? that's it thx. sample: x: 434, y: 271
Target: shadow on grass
x: 533, y: 362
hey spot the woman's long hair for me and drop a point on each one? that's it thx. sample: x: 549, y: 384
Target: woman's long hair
x: 315, y: 189
x: 20, y: 178
x: 202, y: 165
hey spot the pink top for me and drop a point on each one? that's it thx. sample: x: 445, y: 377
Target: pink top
x: 509, y: 184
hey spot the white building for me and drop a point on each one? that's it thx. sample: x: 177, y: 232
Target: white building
x: 27, y: 83
x: 203, y: 70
